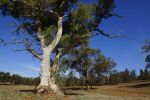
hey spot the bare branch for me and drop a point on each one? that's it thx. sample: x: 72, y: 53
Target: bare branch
x: 14, y: 41
x: 19, y: 50
x: 29, y: 50
x: 34, y: 53
x: 110, y: 35
x: 116, y: 15
x: 28, y: 45
x: 63, y: 2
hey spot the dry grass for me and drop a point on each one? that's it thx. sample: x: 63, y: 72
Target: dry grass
x: 127, y: 91
x: 22, y: 92
x: 114, y: 93
x: 109, y: 92
x: 122, y: 91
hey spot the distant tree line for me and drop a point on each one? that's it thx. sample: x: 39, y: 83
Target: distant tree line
x: 129, y: 76
x: 15, y: 79
x: 115, y: 77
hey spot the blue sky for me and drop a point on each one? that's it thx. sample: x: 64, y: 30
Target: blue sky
x: 126, y: 52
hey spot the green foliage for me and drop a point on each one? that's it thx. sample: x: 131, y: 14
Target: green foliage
x: 4, y: 77
x: 103, y: 64
x: 84, y: 12
x: 89, y: 63
x: 49, y: 34
x: 81, y: 21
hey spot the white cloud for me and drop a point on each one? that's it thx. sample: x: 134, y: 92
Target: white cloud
x: 31, y: 68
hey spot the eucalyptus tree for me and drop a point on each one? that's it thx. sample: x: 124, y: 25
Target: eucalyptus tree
x: 48, y: 29
x: 104, y: 65
x: 89, y: 63
x: 82, y: 61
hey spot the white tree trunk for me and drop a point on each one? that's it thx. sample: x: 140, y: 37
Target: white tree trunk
x: 47, y: 77
x: 45, y: 68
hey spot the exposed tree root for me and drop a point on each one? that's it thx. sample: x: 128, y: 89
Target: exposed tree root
x: 45, y: 90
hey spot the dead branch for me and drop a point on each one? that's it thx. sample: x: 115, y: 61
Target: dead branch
x: 18, y: 50
x: 110, y: 35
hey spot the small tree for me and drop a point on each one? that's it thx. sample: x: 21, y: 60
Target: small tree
x: 104, y: 65
x: 126, y: 75
x: 91, y: 78
x: 133, y: 76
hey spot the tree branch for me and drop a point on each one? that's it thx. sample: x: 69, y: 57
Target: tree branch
x: 116, y: 15
x: 58, y: 35
x: 110, y: 35
x: 33, y: 52
x: 19, y: 50
x: 12, y: 42
x: 28, y: 45
x: 34, y: 8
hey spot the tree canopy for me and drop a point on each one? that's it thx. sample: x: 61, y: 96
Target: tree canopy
x: 51, y: 29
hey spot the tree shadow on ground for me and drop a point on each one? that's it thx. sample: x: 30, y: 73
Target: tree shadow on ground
x: 34, y: 91
x: 137, y: 85
x: 78, y: 88
x: 73, y: 94
x: 28, y: 91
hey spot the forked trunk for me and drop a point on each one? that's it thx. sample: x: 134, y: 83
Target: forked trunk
x: 48, y: 82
